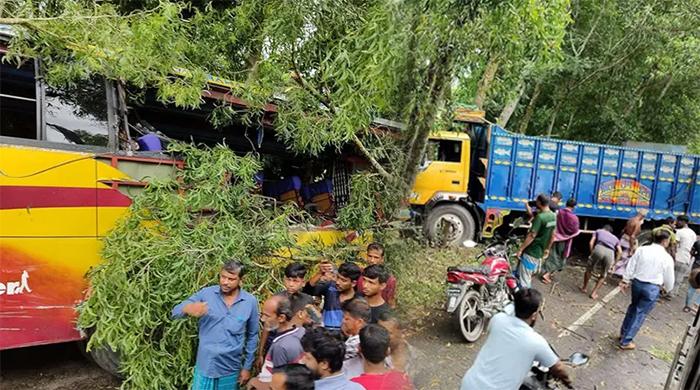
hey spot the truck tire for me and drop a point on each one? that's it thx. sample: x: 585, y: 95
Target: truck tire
x: 450, y: 225
x: 104, y: 357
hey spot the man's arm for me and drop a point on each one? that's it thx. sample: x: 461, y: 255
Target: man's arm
x: 591, y: 244
x: 528, y: 210
x: 631, y: 269
x: 252, y: 330
x: 391, y: 292
x: 193, y: 306
x: 559, y: 371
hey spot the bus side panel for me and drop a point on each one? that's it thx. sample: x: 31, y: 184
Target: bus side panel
x: 568, y: 171
x: 42, y: 280
x: 663, y: 193
x: 523, y: 172
x: 499, y: 168
x: 586, y: 196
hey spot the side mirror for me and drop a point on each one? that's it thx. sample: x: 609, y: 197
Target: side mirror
x: 424, y: 165
x: 577, y: 359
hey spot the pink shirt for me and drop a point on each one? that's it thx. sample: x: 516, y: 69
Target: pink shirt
x: 392, y: 380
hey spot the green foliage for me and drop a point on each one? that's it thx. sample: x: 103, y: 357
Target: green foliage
x: 372, y: 202
x: 172, y: 242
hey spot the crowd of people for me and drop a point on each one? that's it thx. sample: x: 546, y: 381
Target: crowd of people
x: 652, y: 272
x: 354, y: 342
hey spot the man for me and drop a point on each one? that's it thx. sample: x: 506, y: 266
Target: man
x: 374, y: 280
x: 567, y: 228
x: 648, y: 269
x: 324, y: 352
x: 686, y: 238
x: 294, y: 275
x: 400, y: 357
x: 536, y: 241
x: 228, y: 330
x: 693, y: 292
x: 292, y: 377
x: 375, y: 256
x: 512, y: 346
x: 553, y: 204
x: 356, y: 315
x: 335, y: 288
x: 374, y: 344
x: 285, y: 348
x: 605, y: 251
x: 669, y: 226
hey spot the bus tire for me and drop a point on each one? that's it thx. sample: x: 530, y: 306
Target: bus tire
x: 104, y: 357
x: 450, y: 225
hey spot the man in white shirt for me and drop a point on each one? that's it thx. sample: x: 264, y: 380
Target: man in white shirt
x: 686, y: 238
x: 650, y: 268
x: 511, y: 347
x: 356, y: 314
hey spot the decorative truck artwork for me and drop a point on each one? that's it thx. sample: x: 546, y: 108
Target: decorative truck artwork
x: 16, y: 287
x: 624, y: 192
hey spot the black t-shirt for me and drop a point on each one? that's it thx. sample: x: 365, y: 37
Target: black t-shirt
x: 376, y: 311
x: 696, y: 252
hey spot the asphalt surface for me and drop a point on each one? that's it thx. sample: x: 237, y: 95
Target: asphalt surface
x: 442, y: 357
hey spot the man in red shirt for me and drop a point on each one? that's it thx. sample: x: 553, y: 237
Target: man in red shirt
x: 374, y: 346
x: 375, y: 256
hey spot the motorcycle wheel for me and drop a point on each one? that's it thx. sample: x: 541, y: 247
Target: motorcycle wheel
x: 471, y: 320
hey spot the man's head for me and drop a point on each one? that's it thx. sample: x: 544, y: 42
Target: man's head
x: 276, y: 312
x: 294, y: 275
x: 670, y: 222
x: 356, y: 314
x: 303, y: 311
x: 393, y: 326
x: 374, y: 343
x: 542, y: 201
x: 608, y: 228
x: 571, y: 203
x: 374, y: 279
x: 292, y: 377
x: 662, y: 237
x: 375, y: 253
x: 556, y: 197
x: 324, y: 351
x: 230, y: 276
x: 682, y: 221
x: 348, y: 274
x: 527, y: 305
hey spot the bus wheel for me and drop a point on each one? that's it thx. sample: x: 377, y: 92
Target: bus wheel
x: 450, y: 225
x: 104, y: 357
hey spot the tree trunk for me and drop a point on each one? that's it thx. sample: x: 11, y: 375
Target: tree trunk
x: 510, y: 107
x: 423, y: 113
x: 485, y: 81
x: 553, y: 120
x: 525, y: 121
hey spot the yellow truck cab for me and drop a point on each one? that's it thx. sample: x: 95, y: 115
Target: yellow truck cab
x: 441, y: 193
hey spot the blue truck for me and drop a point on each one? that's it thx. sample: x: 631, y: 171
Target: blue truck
x: 475, y: 178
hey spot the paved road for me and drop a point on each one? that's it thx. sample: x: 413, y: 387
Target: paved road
x: 445, y: 357
x: 442, y: 355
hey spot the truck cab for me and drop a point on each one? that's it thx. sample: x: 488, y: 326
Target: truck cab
x: 448, y: 181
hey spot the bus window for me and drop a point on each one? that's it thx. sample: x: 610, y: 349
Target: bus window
x: 18, y: 100
x: 77, y: 114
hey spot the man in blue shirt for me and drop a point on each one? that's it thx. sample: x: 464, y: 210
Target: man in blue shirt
x: 228, y: 330
x: 335, y: 288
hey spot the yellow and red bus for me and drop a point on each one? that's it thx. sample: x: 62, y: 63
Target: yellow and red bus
x: 64, y: 182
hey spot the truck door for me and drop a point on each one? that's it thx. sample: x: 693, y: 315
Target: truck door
x: 444, y: 169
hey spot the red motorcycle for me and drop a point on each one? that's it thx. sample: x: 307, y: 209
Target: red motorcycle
x: 476, y: 293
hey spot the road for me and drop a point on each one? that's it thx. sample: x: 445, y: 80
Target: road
x: 442, y: 356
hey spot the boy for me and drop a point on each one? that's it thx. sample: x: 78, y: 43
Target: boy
x: 375, y: 256
x: 335, y: 289
x: 374, y: 279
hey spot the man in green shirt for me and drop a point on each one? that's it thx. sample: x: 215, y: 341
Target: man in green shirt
x: 532, y: 250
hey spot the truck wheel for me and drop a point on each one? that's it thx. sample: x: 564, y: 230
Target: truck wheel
x: 450, y: 225
x: 104, y: 357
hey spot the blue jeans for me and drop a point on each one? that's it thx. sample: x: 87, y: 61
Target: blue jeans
x: 692, y: 293
x: 644, y: 296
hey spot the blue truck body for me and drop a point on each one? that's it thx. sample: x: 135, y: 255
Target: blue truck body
x: 610, y: 182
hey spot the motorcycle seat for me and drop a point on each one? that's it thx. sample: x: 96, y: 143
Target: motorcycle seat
x: 469, y: 269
